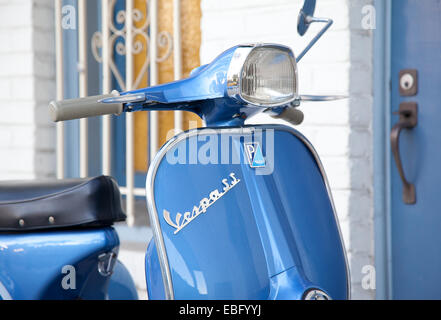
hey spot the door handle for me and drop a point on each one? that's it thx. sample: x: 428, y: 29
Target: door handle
x: 408, y: 113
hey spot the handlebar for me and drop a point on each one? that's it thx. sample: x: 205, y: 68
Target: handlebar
x: 113, y: 104
x: 84, y: 107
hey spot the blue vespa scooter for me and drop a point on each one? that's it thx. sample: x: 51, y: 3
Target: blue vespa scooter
x: 237, y: 211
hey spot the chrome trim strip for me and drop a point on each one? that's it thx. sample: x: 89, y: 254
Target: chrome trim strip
x: 153, y: 213
x: 154, y: 222
x: 240, y: 55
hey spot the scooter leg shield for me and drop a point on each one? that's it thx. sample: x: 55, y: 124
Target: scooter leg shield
x: 239, y: 213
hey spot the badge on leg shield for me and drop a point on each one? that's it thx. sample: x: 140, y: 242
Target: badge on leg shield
x: 255, y: 155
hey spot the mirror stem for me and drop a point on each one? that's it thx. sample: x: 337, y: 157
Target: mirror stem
x: 310, y: 20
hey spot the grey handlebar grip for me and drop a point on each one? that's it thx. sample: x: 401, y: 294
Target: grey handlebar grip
x: 292, y: 115
x: 83, y: 108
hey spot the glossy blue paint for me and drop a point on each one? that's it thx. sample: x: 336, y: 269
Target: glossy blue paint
x: 155, y: 286
x: 121, y: 285
x: 289, y: 285
x: 31, y: 263
x: 266, y: 234
x: 203, y: 92
x: 415, y: 229
x: 206, y: 82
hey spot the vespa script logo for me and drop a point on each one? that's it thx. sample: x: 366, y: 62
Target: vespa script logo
x: 182, y: 220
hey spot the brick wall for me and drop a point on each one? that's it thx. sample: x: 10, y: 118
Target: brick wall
x: 27, y: 83
x: 341, y: 63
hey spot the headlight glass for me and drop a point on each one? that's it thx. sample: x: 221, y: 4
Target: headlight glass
x: 268, y: 77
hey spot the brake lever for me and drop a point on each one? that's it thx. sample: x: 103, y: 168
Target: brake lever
x: 321, y: 98
x: 128, y: 98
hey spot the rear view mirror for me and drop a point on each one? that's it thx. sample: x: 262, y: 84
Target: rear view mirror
x: 306, y: 17
x: 305, y: 14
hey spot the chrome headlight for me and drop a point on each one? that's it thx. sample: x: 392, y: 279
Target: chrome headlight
x: 264, y: 75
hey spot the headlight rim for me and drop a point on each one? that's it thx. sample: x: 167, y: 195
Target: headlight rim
x: 238, y: 61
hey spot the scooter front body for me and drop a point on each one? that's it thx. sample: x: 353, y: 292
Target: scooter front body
x: 242, y: 213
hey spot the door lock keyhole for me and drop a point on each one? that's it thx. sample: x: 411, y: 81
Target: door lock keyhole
x: 408, y: 82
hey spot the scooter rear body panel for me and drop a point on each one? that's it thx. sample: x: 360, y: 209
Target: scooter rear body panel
x: 34, y: 264
x: 230, y: 225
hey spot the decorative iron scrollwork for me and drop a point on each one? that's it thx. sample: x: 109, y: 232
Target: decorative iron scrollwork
x: 165, y: 40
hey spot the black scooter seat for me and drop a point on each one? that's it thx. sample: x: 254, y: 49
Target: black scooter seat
x: 53, y: 204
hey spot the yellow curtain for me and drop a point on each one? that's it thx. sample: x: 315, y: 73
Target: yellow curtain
x: 191, y: 41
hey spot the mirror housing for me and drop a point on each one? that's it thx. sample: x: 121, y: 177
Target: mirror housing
x: 303, y: 22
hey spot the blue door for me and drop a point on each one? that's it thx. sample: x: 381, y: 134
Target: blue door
x: 416, y: 192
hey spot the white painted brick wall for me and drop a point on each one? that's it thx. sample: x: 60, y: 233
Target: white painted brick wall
x: 341, y: 63
x: 27, y: 83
